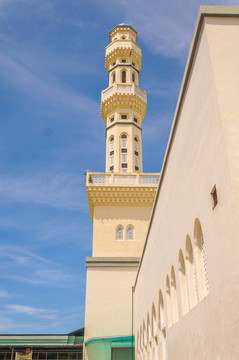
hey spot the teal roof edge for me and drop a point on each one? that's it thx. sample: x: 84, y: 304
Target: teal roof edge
x: 113, y: 339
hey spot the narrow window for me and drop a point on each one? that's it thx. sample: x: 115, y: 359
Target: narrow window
x: 149, y: 339
x: 123, y: 60
x: 113, y: 77
x: 136, y: 167
x: 214, y: 196
x: 169, y: 302
x: 133, y: 77
x: 183, y: 283
x: 124, y: 165
x: 124, y: 150
x: 154, y: 331
x: 174, y: 296
x: 112, y: 168
x: 112, y: 143
x: 136, y: 145
x: 123, y: 117
x: 114, y: 64
x: 112, y: 160
x: 191, y: 274
x: 112, y: 119
x: 119, y: 232
x: 123, y: 141
x: 133, y: 63
x: 162, y: 329
x: 123, y: 76
x: 124, y: 158
x: 130, y: 232
x: 200, y: 261
x: 135, y: 119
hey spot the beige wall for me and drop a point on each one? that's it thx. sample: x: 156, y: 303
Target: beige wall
x: 107, y: 218
x: 108, y: 301
x: 203, y: 152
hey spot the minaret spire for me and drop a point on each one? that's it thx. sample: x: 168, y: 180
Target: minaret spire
x: 123, y: 103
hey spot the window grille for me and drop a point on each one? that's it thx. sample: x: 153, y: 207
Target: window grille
x: 130, y: 233
x: 124, y: 158
x: 123, y: 143
x: 119, y: 232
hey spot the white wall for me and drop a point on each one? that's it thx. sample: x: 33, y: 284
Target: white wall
x: 201, y: 155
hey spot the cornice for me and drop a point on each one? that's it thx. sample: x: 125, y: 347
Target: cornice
x: 123, y: 123
x: 120, y: 195
x: 123, y: 52
x: 133, y: 101
x: 123, y: 65
x: 93, y: 262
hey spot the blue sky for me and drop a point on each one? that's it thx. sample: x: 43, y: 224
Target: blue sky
x: 51, y: 76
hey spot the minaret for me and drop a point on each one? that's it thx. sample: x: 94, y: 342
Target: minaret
x: 123, y: 103
x: 120, y: 202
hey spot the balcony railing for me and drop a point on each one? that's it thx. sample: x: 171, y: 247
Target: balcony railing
x: 123, y: 89
x: 121, y: 179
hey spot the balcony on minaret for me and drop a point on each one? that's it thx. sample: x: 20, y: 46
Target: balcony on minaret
x: 120, y: 189
x: 123, y: 94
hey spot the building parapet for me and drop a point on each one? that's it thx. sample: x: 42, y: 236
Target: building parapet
x: 122, y: 89
x: 97, y: 178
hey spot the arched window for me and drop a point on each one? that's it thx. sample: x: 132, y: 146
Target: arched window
x: 200, y: 261
x: 141, y: 339
x: 113, y: 77
x: 154, y: 334
x: 119, y: 232
x: 123, y: 74
x: 133, y: 77
x: 162, y: 329
x: 191, y: 274
x: 130, y: 232
x: 169, y: 302
x: 174, y: 296
x: 112, y: 143
x: 144, y: 340
x: 149, y: 338
x: 183, y: 283
x: 136, y: 144
x: 123, y: 141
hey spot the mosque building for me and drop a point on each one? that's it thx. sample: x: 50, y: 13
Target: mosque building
x: 163, y: 279
x: 120, y: 203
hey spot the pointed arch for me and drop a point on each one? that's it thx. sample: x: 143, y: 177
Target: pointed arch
x: 183, y: 283
x: 169, y: 302
x: 174, y: 296
x: 154, y: 330
x: 191, y: 274
x: 119, y: 234
x: 144, y: 341
x: 113, y: 77
x: 123, y: 76
x: 130, y: 232
x: 200, y: 261
x: 162, y: 329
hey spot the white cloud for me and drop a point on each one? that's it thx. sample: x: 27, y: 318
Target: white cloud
x: 41, y: 86
x: 165, y: 26
x: 22, y: 265
x: 57, y: 190
x: 32, y: 311
x: 3, y: 294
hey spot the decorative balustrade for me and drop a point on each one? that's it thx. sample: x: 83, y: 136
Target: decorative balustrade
x: 121, y: 179
x: 123, y: 89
